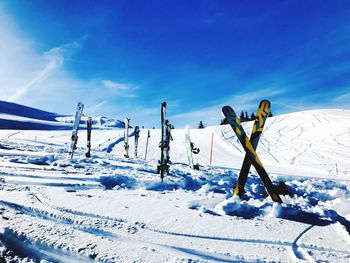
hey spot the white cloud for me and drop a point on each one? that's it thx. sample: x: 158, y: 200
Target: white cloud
x: 342, y: 101
x: 93, y: 109
x: 342, y: 98
x: 120, y: 89
x: 54, y: 59
x: 40, y: 78
x: 36, y: 78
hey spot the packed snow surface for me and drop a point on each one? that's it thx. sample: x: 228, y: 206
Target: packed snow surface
x: 111, y: 209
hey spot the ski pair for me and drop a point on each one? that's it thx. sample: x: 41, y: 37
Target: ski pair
x: 251, y: 157
x: 163, y: 166
x: 126, y: 138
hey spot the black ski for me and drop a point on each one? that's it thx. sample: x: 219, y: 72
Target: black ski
x: 168, y: 138
x: 88, y: 131
x: 163, y: 167
x: 137, y: 135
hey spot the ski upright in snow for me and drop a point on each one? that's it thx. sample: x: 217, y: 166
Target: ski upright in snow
x: 236, y: 125
x: 74, y: 137
x: 190, y: 149
x: 88, y: 131
x: 126, y: 137
x: 168, y: 138
x: 163, y: 167
x: 260, y: 119
x: 148, y: 136
x: 137, y: 135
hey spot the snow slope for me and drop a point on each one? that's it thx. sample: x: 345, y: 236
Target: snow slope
x: 15, y: 116
x: 111, y: 209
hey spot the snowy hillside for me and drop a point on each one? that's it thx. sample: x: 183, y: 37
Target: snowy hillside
x: 15, y: 116
x: 111, y: 209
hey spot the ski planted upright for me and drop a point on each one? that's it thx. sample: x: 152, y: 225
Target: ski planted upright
x: 148, y: 136
x: 260, y: 119
x: 168, y: 138
x: 190, y: 149
x: 248, y: 147
x: 74, y: 138
x: 126, y: 137
x: 163, y: 166
x: 137, y: 135
x: 88, y: 130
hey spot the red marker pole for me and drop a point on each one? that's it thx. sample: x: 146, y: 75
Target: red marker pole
x: 211, y: 148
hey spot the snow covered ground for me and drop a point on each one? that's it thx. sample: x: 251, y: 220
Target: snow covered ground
x: 111, y: 209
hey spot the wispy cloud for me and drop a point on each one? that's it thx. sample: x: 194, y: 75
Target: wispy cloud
x: 41, y: 78
x: 93, y: 109
x: 342, y: 100
x: 55, y: 58
x: 120, y: 89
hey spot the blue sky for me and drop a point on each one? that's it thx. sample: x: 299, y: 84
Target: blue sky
x: 123, y: 58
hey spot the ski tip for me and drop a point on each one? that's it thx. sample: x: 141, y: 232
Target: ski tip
x: 164, y: 104
x: 265, y: 103
x: 227, y: 110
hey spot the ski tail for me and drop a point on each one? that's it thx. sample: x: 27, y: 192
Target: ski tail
x: 248, y: 147
x: 260, y: 119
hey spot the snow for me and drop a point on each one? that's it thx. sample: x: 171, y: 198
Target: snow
x: 111, y: 209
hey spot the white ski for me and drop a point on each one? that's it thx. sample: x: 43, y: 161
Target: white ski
x: 126, y: 137
x: 74, y: 138
x: 190, y: 149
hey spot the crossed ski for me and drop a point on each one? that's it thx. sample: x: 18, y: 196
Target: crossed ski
x: 251, y: 157
x: 263, y: 111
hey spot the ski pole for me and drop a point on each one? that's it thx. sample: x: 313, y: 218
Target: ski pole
x: 148, y: 135
x: 211, y: 148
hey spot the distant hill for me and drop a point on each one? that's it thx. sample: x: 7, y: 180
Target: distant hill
x: 25, y: 111
x: 15, y: 116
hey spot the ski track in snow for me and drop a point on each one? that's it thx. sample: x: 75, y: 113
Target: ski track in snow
x: 300, y: 154
x: 90, y: 227
x: 298, y: 251
x: 97, y: 231
x: 228, y: 139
